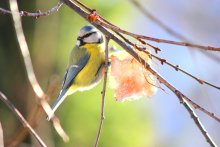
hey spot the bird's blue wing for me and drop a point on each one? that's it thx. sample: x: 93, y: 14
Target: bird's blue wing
x: 70, y: 74
x: 73, y: 70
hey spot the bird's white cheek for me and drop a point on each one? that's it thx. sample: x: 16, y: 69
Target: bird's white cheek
x: 77, y: 42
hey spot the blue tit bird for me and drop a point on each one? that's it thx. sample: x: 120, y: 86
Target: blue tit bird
x: 86, y: 64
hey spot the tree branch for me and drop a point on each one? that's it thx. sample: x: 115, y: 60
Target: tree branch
x: 98, y: 25
x: 196, y: 120
x: 168, y: 29
x: 162, y: 61
x: 21, y: 118
x: 137, y: 36
x: 35, y: 116
x: 34, y: 14
x: 28, y: 64
x: 102, y: 116
x: 177, y: 68
x: 157, y: 21
x: 100, y: 20
x: 111, y: 26
x: 1, y: 136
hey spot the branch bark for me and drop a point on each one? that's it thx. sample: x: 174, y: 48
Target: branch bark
x: 168, y: 29
x: 99, y: 26
x: 21, y: 118
x: 29, y: 67
x: 162, y: 61
x: 35, y: 116
x: 102, y: 116
x: 34, y: 14
x: 1, y: 136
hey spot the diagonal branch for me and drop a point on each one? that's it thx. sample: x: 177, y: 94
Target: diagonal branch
x: 172, y: 88
x: 102, y: 116
x: 162, y: 61
x: 160, y: 78
x: 1, y: 136
x: 24, y: 50
x: 157, y: 21
x: 168, y: 29
x: 196, y: 120
x: 177, y: 68
x: 34, y: 14
x: 21, y: 118
x: 96, y: 23
x: 100, y: 20
x: 137, y: 36
x: 28, y: 64
x: 34, y: 117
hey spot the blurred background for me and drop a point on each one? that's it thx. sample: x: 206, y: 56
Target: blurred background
x: 158, y: 121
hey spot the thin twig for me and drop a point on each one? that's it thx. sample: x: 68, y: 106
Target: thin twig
x: 24, y: 50
x: 168, y: 85
x: 136, y: 36
x: 168, y: 29
x: 177, y: 68
x: 85, y: 15
x: 84, y: 6
x: 35, y: 116
x: 28, y: 64
x: 196, y: 119
x: 1, y: 136
x: 21, y: 118
x: 157, y: 21
x: 34, y: 14
x: 162, y: 61
x: 174, y: 90
x: 102, y: 116
x: 102, y: 21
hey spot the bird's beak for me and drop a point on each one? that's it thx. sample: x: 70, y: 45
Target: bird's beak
x: 79, y: 41
x: 79, y: 38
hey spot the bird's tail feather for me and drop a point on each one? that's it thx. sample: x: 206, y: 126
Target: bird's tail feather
x: 57, y: 103
x: 63, y: 94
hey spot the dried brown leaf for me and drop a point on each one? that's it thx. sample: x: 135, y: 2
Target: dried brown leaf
x: 129, y: 79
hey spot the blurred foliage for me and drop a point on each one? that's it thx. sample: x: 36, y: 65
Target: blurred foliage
x: 50, y: 40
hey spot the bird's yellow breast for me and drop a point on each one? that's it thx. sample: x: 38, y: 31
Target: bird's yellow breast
x: 87, y: 75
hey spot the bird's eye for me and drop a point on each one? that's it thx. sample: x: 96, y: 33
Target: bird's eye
x: 87, y: 35
x: 79, y: 38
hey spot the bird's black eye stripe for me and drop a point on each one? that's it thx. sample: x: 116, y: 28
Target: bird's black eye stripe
x: 87, y: 35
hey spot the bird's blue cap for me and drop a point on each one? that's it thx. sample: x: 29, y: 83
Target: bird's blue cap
x: 87, y: 28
